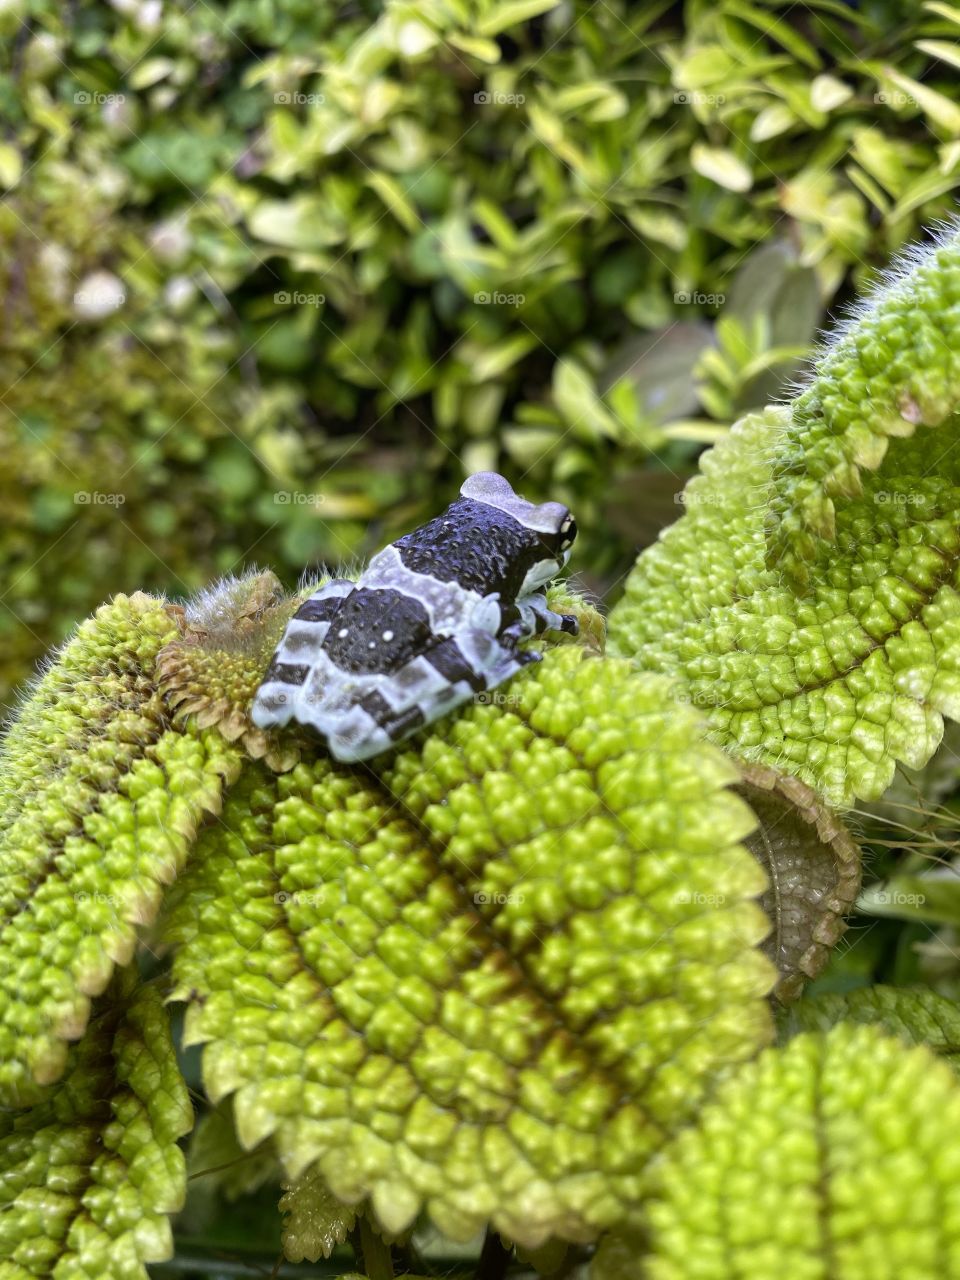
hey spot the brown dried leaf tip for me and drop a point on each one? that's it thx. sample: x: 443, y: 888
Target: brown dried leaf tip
x: 814, y: 867
x: 211, y: 671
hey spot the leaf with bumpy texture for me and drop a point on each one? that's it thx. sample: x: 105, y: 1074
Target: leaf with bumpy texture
x: 834, y: 686
x: 491, y: 982
x: 813, y: 865
x: 915, y: 1014
x: 315, y: 1221
x: 101, y: 800
x: 895, y: 366
x: 89, y: 1174
x: 834, y: 1158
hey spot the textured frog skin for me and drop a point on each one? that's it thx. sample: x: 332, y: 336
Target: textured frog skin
x: 436, y: 619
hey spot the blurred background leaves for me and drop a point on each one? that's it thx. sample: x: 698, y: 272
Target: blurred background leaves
x: 278, y: 274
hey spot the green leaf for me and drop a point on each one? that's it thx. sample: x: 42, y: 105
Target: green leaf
x: 392, y: 195
x: 771, y: 122
x: 660, y: 366
x: 827, y: 92
x: 834, y: 685
x: 315, y: 1222
x: 721, y: 166
x: 948, y: 11
x: 782, y: 32
x: 90, y: 1172
x: 576, y: 397
x: 101, y: 802
x: 833, y: 1158
x: 813, y: 866
x: 11, y: 165
x: 937, y: 106
x: 512, y: 13
x: 491, y: 981
x: 879, y: 379
x: 304, y: 222
x: 933, y: 896
x: 942, y: 49
x: 915, y: 1014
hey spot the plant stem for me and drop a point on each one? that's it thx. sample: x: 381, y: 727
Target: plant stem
x: 494, y: 1258
x: 377, y: 1263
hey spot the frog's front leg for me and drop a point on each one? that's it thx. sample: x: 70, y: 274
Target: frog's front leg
x: 531, y: 616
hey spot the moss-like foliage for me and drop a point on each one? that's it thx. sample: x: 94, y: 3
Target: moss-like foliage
x: 498, y: 997
x: 915, y: 1014
x: 837, y: 673
x: 88, y: 1175
x: 102, y: 799
x: 894, y: 368
x: 834, y: 685
x: 835, y: 1158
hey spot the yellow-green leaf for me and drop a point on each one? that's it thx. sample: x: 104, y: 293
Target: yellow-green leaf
x: 721, y: 166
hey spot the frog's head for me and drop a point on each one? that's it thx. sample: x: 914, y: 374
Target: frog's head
x: 551, y: 524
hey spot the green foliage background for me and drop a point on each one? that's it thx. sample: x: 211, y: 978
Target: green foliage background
x: 667, y: 198
x: 277, y: 275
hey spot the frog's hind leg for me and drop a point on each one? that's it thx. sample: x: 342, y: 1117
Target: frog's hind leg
x: 278, y: 696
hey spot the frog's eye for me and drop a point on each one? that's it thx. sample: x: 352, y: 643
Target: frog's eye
x: 568, y: 532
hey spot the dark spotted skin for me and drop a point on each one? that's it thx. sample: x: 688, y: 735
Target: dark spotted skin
x: 479, y: 547
x: 446, y: 658
x: 314, y: 610
x: 361, y: 665
x: 365, y: 615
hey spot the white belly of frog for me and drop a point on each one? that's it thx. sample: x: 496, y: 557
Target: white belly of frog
x: 435, y: 620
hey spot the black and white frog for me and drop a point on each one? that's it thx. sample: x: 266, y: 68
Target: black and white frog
x: 434, y: 620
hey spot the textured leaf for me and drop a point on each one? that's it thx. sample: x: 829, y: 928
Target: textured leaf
x: 315, y: 1220
x: 894, y: 367
x: 101, y: 800
x: 836, y: 685
x: 915, y: 1014
x: 209, y: 672
x: 835, y: 1158
x: 90, y: 1173
x: 492, y: 982
x: 813, y: 865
